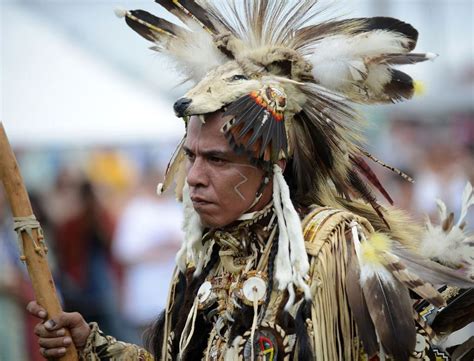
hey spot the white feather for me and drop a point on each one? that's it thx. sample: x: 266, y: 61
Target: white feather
x: 442, y: 211
x: 339, y: 60
x: 467, y: 202
x: 195, y: 55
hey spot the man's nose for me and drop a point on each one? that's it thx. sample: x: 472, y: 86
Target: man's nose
x: 181, y: 105
x: 197, y: 175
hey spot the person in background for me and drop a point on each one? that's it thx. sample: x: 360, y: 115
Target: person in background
x: 146, y: 240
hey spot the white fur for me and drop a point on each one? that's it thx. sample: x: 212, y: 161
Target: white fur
x: 292, y: 263
x: 283, y: 272
x: 191, y: 249
x: 338, y: 60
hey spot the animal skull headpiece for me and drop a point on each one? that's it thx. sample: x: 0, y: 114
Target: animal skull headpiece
x: 286, y: 83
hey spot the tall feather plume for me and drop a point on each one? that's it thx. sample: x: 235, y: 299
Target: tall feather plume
x: 387, y: 300
x: 261, y: 23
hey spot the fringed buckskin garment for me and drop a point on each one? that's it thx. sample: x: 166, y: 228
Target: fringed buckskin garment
x: 232, y: 311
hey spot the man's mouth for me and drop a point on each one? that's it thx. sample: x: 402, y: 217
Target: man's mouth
x: 200, y: 202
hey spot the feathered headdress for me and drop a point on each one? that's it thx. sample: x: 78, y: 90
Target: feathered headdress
x: 286, y: 85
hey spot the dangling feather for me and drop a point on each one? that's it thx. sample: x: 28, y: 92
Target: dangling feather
x: 175, y: 164
x: 364, y: 168
x: 258, y: 123
x: 355, y: 296
x: 393, y: 169
x: 457, y: 314
x: 187, y: 10
x: 387, y: 300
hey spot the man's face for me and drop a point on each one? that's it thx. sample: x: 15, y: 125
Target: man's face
x: 222, y: 184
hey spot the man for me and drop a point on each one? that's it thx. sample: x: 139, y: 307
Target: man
x: 281, y: 260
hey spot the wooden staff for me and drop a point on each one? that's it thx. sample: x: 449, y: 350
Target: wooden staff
x: 31, y: 244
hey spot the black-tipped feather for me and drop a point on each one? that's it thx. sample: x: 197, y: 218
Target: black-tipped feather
x: 186, y: 10
x: 150, y: 26
x: 400, y: 86
x: 391, y: 24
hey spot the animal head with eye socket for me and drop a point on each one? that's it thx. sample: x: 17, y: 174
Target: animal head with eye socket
x: 246, y: 73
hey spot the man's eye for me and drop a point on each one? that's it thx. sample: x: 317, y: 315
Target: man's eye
x: 239, y: 77
x: 216, y: 160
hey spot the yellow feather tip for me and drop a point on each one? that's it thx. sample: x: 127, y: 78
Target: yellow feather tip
x: 419, y: 87
x: 369, y: 253
x: 380, y: 241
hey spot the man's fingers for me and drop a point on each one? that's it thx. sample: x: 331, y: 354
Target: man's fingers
x: 41, y: 331
x: 53, y: 353
x: 58, y: 342
x: 67, y: 320
x: 36, y: 310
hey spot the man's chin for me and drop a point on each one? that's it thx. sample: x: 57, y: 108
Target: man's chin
x: 211, y: 221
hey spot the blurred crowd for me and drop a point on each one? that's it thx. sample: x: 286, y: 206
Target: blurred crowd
x: 112, y: 240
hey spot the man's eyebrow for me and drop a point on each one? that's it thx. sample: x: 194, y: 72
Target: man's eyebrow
x: 211, y: 153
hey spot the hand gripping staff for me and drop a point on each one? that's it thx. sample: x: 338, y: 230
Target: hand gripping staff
x: 30, y: 236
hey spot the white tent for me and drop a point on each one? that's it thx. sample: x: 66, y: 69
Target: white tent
x: 56, y: 93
